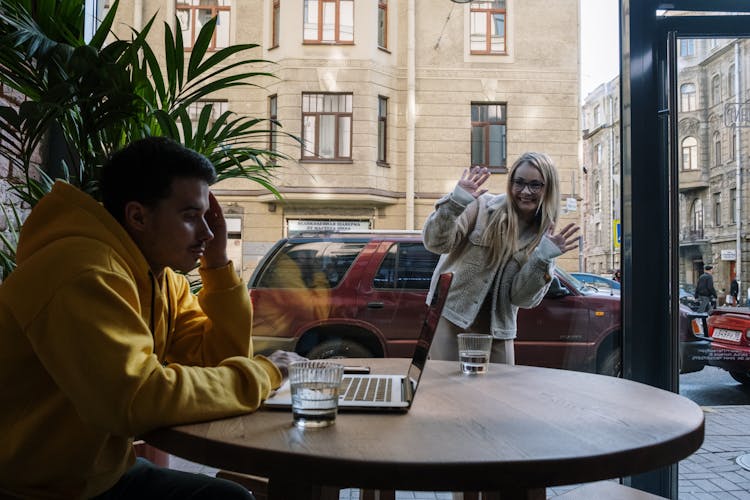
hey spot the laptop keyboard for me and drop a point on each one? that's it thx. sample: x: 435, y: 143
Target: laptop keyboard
x: 366, y: 388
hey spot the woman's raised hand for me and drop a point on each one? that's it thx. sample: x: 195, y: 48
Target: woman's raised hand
x: 566, y: 239
x: 472, y: 179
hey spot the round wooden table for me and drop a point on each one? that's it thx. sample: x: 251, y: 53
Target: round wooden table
x: 516, y: 429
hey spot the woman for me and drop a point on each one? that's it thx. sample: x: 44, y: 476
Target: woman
x: 500, y: 249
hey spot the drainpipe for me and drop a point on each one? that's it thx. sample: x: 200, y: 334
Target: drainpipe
x: 411, y: 104
x: 738, y: 169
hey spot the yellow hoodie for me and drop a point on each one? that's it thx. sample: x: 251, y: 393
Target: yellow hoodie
x: 93, y: 351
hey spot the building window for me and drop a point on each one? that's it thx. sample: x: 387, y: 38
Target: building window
x: 273, y: 125
x: 687, y: 97
x: 210, y: 109
x: 696, y: 223
x: 598, y: 234
x: 730, y: 81
x: 732, y: 142
x: 489, y: 136
x: 598, y: 154
x: 687, y: 47
x: 717, y: 149
x: 329, y: 21
x: 716, y: 90
x: 193, y: 14
x: 733, y: 206
x: 717, y: 209
x: 597, y: 115
x: 488, y: 27
x: 383, y: 24
x: 327, y: 126
x: 275, y: 23
x: 597, y: 195
x: 382, y: 128
x: 689, y: 154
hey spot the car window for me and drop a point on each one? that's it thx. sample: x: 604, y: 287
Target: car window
x: 406, y: 266
x: 312, y: 264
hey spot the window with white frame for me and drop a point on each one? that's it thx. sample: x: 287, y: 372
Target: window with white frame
x: 689, y: 153
x: 696, y: 223
x: 687, y: 97
x: 197, y: 109
x: 489, y: 135
x: 488, y: 21
x: 327, y: 126
x: 716, y: 89
x: 328, y: 21
x: 194, y: 14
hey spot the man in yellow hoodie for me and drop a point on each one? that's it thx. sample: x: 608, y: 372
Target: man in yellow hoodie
x: 101, y: 341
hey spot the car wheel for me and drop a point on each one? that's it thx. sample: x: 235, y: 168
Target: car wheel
x: 741, y: 377
x: 334, y: 348
x: 611, y: 364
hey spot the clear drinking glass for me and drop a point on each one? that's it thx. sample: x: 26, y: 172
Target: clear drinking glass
x: 474, y: 352
x: 315, y: 392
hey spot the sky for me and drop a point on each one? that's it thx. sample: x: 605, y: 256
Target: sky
x: 600, y: 44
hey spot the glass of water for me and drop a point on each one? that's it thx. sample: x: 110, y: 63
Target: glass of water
x: 474, y: 352
x: 315, y: 392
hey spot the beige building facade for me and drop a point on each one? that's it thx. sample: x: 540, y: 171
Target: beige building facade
x: 391, y: 100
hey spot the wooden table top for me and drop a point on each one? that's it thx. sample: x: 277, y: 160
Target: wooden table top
x: 514, y: 426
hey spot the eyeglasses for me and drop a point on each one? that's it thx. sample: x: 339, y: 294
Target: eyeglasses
x: 519, y: 185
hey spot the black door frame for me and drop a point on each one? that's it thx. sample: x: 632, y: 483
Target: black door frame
x: 649, y: 217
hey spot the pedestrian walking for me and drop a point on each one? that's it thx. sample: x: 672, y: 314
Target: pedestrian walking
x: 704, y: 290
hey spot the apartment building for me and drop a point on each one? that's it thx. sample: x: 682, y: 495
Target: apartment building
x: 600, y: 179
x: 390, y: 100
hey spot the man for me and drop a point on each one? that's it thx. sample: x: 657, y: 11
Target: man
x: 734, y: 292
x: 103, y: 341
x: 704, y: 290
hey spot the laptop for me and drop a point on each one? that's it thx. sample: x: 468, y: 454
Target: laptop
x: 395, y: 392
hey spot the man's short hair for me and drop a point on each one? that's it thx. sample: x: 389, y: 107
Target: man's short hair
x: 708, y: 267
x: 143, y: 171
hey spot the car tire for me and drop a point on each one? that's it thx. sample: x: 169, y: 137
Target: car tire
x: 335, y: 348
x: 741, y: 377
x: 611, y: 364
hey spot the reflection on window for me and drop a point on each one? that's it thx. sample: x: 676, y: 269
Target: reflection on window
x: 687, y: 97
x: 488, y: 27
x: 488, y: 135
x: 328, y: 21
x: 689, y: 154
x: 327, y: 126
x: 193, y: 14
x: 407, y: 266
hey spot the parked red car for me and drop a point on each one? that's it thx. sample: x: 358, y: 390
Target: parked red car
x: 363, y: 295
x: 729, y: 331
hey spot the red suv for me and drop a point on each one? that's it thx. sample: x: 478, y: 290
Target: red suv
x: 363, y: 295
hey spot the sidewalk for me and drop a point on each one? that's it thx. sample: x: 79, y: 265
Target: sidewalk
x: 710, y: 473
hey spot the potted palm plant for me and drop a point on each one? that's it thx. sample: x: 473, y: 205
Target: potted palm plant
x: 85, y: 99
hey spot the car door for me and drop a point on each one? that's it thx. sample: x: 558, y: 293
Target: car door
x: 392, y: 293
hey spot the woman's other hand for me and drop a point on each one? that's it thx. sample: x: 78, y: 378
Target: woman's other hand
x: 472, y: 179
x: 566, y: 239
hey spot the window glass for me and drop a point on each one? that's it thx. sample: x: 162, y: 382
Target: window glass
x: 687, y: 97
x: 327, y: 126
x: 192, y: 15
x: 382, y: 23
x: 406, y: 266
x: 488, y: 135
x: 328, y: 21
x: 487, y: 27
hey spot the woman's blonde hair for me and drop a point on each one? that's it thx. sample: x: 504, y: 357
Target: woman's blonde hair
x: 502, y: 235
